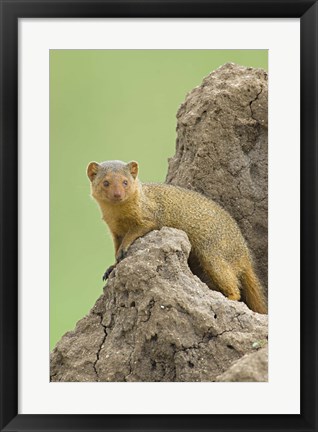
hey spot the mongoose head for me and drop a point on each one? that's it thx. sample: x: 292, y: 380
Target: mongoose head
x: 113, y: 181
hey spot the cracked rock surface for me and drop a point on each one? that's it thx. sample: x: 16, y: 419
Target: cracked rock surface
x: 156, y: 321
x: 221, y: 149
x: 251, y: 367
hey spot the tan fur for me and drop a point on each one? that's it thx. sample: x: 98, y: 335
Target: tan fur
x: 131, y: 209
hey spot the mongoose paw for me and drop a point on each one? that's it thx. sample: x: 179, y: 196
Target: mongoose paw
x: 121, y: 255
x: 108, y: 272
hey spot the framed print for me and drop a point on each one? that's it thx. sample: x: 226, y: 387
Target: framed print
x: 152, y: 347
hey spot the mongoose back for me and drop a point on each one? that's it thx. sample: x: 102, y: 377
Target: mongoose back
x: 131, y: 209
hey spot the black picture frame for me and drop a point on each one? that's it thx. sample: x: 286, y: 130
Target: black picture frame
x: 11, y: 11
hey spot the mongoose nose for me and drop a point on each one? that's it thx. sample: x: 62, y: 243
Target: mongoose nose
x: 117, y: 195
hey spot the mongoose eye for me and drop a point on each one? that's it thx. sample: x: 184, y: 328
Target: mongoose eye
x: 125, y: 182
x: 106, y: 183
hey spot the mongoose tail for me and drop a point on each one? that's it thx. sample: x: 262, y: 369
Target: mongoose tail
x: 252, y: 291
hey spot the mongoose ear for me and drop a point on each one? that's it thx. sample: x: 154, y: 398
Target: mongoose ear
x: 133, y: 168
x: 92, y: 169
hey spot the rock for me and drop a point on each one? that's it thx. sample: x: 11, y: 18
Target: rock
x: 251, y: 367
x: 75, y: 355
x: 156, y: 321
x: 221, y: 150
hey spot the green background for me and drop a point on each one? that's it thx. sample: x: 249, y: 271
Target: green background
x: 109, y: 104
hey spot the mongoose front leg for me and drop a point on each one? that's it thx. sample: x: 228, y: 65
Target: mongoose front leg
x: 130, y: 237
x: 117, y: 242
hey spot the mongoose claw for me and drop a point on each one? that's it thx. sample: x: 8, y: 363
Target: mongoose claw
x: 108, y: 272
